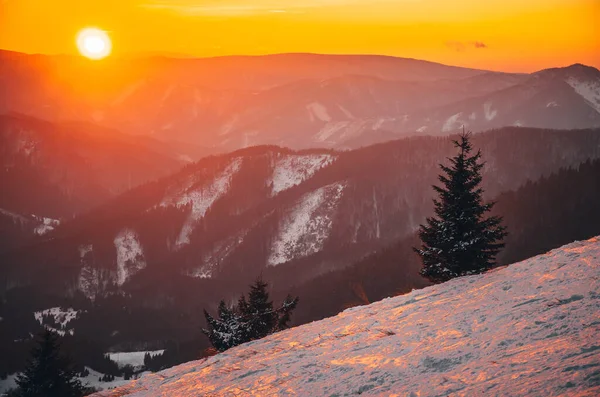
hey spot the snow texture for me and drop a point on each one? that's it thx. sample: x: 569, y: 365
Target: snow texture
x: 130, y: 255
x: 61, y: 317
x: 589, y: 90
x: 93, y: 280
x: 14, y: 216
x: 304, y: 231
x: 46, y: 225
x: 488, y: 112
x: 452, y: 123
x: 292, y: 170
x: 527, y: 329
x: 317, y: 111
x: 9, y: 383
x: 217, y: 255
x: 200, y: 197
x: 135, y: 359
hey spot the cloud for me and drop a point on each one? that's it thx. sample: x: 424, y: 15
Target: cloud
x: 461, y: 46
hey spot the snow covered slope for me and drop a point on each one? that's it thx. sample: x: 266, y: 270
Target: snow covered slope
x: 528, y: 329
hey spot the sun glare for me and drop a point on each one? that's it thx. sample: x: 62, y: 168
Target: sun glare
x: 94, y: 43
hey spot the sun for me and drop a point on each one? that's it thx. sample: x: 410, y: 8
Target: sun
x: 94, y: 43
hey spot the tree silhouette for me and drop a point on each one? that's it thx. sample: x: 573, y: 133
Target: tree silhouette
x: 460, y: 240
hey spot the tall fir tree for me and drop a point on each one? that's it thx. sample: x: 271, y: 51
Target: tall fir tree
x: 460, y: 239
x: 49, y: 373
x: 251, y: 319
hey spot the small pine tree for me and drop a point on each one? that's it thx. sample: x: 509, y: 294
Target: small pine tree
x: 48, y: 373
x: 459, y: 240
x: 225, y: 331
x: 253, y: 318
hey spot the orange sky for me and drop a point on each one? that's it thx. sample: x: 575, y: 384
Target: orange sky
x: 512, y: 35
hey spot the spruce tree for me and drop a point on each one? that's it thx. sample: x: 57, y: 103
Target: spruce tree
x: 251, y: 319
x: 259, y: 316
x: 48, y: 373
x: 227, y: 330
x: 460, y: 239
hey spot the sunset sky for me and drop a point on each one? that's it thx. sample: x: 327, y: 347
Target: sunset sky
x: 512, y: 35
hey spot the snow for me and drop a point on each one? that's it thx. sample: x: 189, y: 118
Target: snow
x: 62, y: 317
x: 135, y: 359
x: 379, y: 123
x: 185, y: 158
x: 14, y: 216
x: 304, y: 231
x: 488, y: 112
x: 46, y: 225
x: 291, y: 170
x: 26, y: 145
x: 91, y: 380
x: 552, y: 104
x: 217, y: 255
x: 92, y: 280
x: 85, y: 249
x: 589, y: 90
x: 346, y: 112
x: 130, y: 255
x: 330, y: 129
x: 452, y: 123
x: 9, y: 383
x: 422, y: 129
x: 527, y: 329
x: 317, y: 111
x: 201, y: 197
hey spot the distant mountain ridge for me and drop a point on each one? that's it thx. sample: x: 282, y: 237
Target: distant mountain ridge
x: 294, y: 100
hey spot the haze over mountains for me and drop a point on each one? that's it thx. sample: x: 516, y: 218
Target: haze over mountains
x: 294, y: 100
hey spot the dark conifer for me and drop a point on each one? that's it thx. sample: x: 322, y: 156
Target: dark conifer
x: 48, y: 373
x: 460, y: 240
x: 253, y: 318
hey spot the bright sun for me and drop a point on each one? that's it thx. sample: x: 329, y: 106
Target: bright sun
x: 94, y: 43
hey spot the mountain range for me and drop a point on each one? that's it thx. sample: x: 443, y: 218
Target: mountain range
x: 145, y: 190
x: 293, y: 100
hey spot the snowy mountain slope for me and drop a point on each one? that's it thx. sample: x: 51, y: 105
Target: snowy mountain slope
x: 528, y: 329
x: 554, y: 98
x: 308, y: 225
x: 296, y: 215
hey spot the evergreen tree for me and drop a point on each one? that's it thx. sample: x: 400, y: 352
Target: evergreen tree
x: 227, y: 330
x: 48, y: 373
x: 258, y: 314
x: 285, y: 312
x: 460, y: 240
x: 251, y: 319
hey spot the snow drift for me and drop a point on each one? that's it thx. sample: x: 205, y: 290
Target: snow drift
x: 528, y: 329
